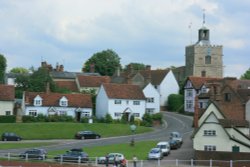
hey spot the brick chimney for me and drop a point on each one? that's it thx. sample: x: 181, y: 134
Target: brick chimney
x: 196, y: 113
x: 148, y: 67
x: 61, y: 68
x: 47, y: 88
x: 92, y: 68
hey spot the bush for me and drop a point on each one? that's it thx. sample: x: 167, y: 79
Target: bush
x: 50, y: 118
x: 147, y: 120
x: 8, y: 119
x: 108, y: 118
x: 157, y: 117
x: 175, y: 102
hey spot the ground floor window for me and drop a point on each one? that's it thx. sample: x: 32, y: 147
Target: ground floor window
x: 118, y: 114
x: 85, y: 114
x: 33, y: 113
x: 7, y: 112
x: 210, y: 148
x: 136, y: 114
x: 189, y: 104
x: 150, y: 110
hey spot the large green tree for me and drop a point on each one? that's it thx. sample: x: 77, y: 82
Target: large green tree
x: 135, y: 66
x: 105, y: 62
x: 19, y: 70
x: 3, y: 65
x: 246, y: 75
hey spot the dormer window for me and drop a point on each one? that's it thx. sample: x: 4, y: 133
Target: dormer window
x: 63, y: 102
x: 37, y: 101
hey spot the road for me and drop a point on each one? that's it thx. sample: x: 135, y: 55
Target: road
x: 173, y: 122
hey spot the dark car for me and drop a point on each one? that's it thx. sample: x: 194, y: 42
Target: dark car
x: 87, y: 135
x: 35, y: 153
x: 174, y: 144
x: 10, y: 136
x: 73, y: 156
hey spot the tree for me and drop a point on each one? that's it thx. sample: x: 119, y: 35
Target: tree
x: 19, y: 70
x: 135, y: 66
x: 39, y: 80
x: 3, y: 65
x: 105, y: 62
x: 246, y: 75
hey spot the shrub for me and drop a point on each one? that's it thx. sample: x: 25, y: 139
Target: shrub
x: 108, y: 118
x: 8, y: 119
x: 132, y: 119
x: 175, y: 102
x: 147, y: 120
x: 157, y: 117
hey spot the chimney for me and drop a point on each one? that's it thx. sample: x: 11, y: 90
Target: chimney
x: 196, y: 113
x: 118, y: 72
x: 130, y: 69
x: 57, y: 66
x: 148, y: 67
x: 92, y: 68
x: 61, y: 68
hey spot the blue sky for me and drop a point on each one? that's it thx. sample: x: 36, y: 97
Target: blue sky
x: 153, y: 32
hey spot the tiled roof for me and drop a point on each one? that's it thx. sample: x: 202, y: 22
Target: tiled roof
x: 228, y: 123
x: 156, y: 75
x: 62, y: 75
x: 123, y: 91
x: 92, y: 81
x: 244, y: 94
x: 199, y: 81
x: 52, y: 99
x: 7, y: 93
x: 70, y: 85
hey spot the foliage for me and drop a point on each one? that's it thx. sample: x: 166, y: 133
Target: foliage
x: 66, y: 130
x: 19, y: 70
x: 135, y: 66
x: 51, y: 118
x: 132, y: 119
x: 147, y: 120
x: 175, y: 102
x: 39, y: 80
x: 108, y: 118
x: 157, y: 117
x: 3, y: 65
x: 105, y: 62
x: 7, y: 118
x: 246, y: 75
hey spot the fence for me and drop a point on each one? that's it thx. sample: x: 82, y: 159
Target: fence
x: 92, y: 161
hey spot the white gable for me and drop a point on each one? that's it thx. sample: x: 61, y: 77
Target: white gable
x: 211, y: 108
x: 211, y: 119
x: 188, y: 84
x: 63, y: 102
x: 153, y: 99
x: 37, y: 101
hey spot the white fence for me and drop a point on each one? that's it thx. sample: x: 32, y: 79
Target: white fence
x: 140, y: 163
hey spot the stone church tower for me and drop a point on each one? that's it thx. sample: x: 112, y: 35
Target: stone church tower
x: 202, y: 58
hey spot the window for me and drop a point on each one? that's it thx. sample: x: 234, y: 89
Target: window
x: 118, y: 114
x: 64, y: 102
x: 85, y: 114
x: 189, y: 104
x: 7, y: 112
x: 200, y: 105
x: 203, y: 90
x: 150, y: 100
x: 227, y: 97
x: 136, y: 102
x: 236, y: 149
x: 150, y: 110
x: 136, y: 114
x: 209, y: 148
x: 33, y: 113
x: 208, y: 59
x: 38, y: 102
x: 118, y: 102
x: 203, y: 73
x: 62, y: 112
x: 189, y: 92
x: 209, y: 133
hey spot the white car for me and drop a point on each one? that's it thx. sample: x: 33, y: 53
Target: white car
x: 155, y: 153
x: 111, y: 157
x: 164, y: 146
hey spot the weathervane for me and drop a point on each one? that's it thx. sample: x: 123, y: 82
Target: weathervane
x: 204, y: 17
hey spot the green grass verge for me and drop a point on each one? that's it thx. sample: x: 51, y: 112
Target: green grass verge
x: 140, y: 149
x: 31, y: 131
x: 23, y: 145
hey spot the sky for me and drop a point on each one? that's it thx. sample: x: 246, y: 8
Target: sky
x: 152, y: 32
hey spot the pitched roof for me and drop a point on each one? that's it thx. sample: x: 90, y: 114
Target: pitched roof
x: 123, y: 91
x: 70, y: 85
x: 92, y: 81
x: 244, y: 94
x: 7, y: 92
x: 228, y: 123
x: 52, y: 99
x: 156, y: 75
x: 199, y: 81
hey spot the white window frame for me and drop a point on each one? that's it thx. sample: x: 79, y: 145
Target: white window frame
x: 32, y: 113
x: 117, y: 101
x: 150, y: 100
x: 136, y: 102
x: 209, y: 148
x: 189, y: 104
x: 117, y: 114
x: 136, y: 114
x: 189, y: 93
x: 150, y: 110
x: 209, y: 132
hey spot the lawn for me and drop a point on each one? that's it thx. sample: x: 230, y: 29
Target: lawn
x: 140, y: 149
x: 31, y: 131
x: 23, y: 145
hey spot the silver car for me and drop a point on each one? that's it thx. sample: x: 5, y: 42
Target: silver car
x: 155, y: 153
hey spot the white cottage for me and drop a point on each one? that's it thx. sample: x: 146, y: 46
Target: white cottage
x: 120, y: 99
x: 7, y: 99
x: 216, y: 133
x: 152, y: 99
x: 75, y: 105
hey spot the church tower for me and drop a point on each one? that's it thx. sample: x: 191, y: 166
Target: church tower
x: 202, y: 58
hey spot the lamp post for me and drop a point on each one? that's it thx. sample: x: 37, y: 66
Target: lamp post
x: 132, y: 128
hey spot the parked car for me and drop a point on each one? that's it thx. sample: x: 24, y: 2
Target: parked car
x: 87, y: 135
x: 35, y: 153
x: 155, y: 153
x: 174, y: 144
x: 74, y: 155
x: 111, y: 156
x: 10, y: 136
x: 164, y: 146
x: 176, y: 136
